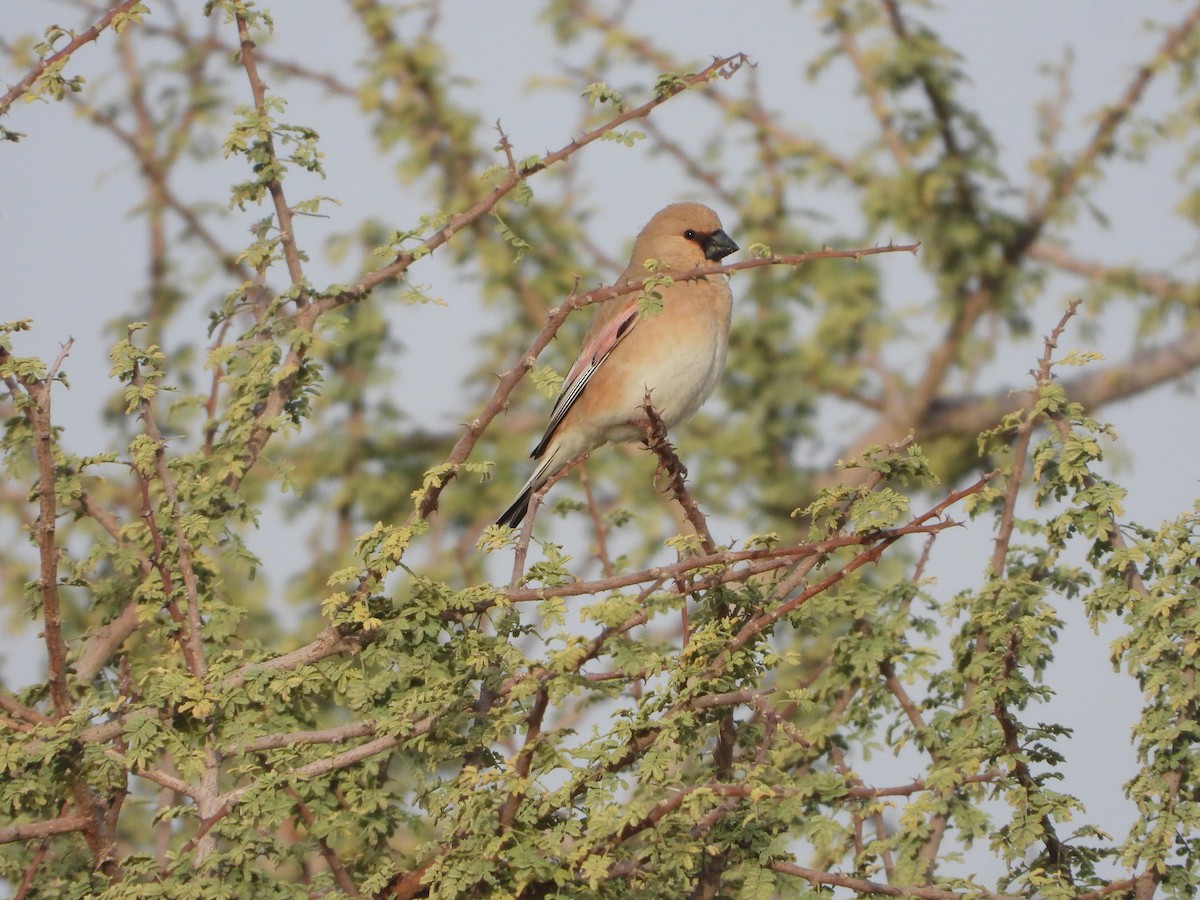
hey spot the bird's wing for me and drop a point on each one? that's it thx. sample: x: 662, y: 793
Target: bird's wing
x: 593, y: 355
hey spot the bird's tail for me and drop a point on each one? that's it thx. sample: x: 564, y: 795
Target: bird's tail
x: 514, y: 514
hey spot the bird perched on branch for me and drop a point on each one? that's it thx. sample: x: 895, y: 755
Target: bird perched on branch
x: 676, y: 354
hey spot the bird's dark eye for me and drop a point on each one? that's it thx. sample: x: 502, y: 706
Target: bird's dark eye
x: 690, y: 235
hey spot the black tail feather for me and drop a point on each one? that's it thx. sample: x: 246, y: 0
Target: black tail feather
x: 514, y: 514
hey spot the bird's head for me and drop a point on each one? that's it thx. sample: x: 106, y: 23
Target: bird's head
x: 683, y: 236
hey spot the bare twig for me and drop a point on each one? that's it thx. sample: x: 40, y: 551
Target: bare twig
x: 533, y: 731
x: 27, y: 831
x: 59, y: 58
x: 655, y: 431
x: 340, y: 872
x: 863, y: 886
x: 871, y: 87
x: 43, y: 437
x: 766, y: 618
x: 283, y: 212
x: 1065, y: 182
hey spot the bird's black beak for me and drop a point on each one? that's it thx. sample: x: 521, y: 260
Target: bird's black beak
x: 718, y: 245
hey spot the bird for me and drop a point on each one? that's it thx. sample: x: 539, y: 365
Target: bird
x: 677, y: 354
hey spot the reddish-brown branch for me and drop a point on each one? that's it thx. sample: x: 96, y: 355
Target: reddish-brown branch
x: 1066, y: 181
x: 533, y: 732
x: 713, y: 866
x: 863, y: 886
x: 61, y: 56
x: 102, y: 642
x: 193, y: 643
x: 767, y: 618
x: 1021, y: 447
x: 939, y: 821
x: 873, y: 90
x: 655, y: 431
x: 27, y: 831
x: 769, y: 558
x: 598, y: 529
x: 340, y: 872
x: 43, y: 438
x: 283, y: 212
x: 331, y: 642
x: 1097, y: 386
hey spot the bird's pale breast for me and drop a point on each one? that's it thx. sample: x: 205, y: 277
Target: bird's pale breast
x: 678, y: 355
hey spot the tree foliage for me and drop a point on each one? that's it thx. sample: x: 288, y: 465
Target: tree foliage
x: 642, y: 708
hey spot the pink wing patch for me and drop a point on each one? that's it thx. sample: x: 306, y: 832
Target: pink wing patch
x: 590, y: 358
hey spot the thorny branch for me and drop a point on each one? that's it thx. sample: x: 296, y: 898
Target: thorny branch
x: 60, y: 57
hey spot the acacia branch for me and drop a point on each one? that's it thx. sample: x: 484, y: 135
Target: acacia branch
x: 225, y: 803
x: 939, y: 821
x: 283, y: 212
x: 1157, y: 284
x: 328, y: 642
x: 27, y: 831
x: 1066, y: 182
x: 1021, y: 447
x: 205, y: 794
x: 38, y: 414
x: 103, y: 642
x: 767, y: 560
x: 871, y: 87
x: 340, y: 872
x: 162, y: 779
x: 863, y: 886
x: 343, y: 760
x: 331, y: 641
x: 533, y: 732
x: 723, y: 67
x: 60, y: 57
x: 766, y: 618
x: 1097, y: 386
x: 193, y: 636
x: 337, y: 735
x: 713, y: 866
x: 26, y: 714
x: 913, y: 409
x: 655, y: 431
